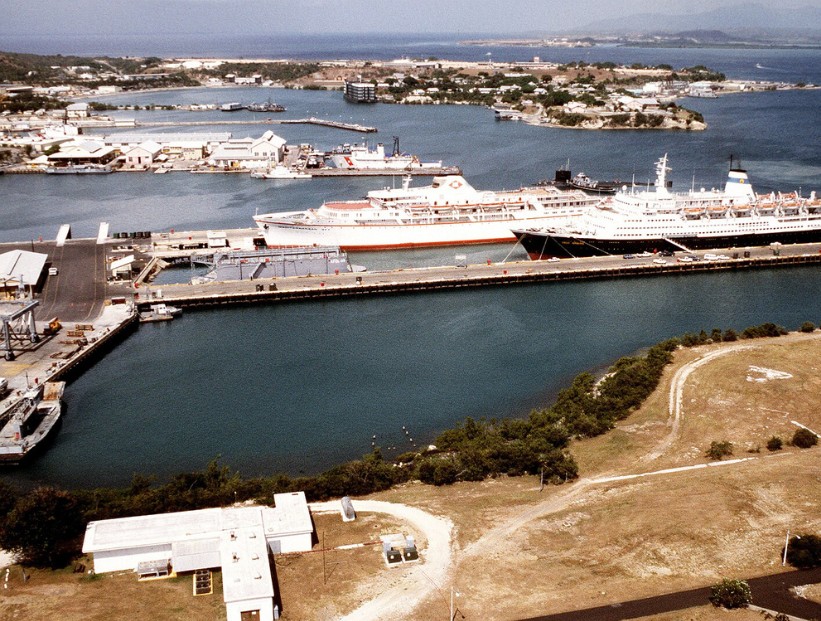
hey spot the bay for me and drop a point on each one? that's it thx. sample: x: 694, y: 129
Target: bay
x: 297, y: 388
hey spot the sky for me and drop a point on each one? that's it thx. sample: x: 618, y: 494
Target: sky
x: 520, y: 17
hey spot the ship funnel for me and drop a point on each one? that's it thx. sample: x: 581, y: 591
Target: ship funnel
x: 738, y: 187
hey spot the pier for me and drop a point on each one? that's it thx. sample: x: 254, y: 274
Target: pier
x: 429, y: 171
x: 420, y: 280
x: 353, y: 127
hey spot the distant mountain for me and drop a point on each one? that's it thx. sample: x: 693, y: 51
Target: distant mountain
x: 739, y: 18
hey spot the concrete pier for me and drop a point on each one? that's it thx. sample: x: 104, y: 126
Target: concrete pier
x: 345, y: 285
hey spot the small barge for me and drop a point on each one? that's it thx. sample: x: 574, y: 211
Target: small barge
x: 30, y: 421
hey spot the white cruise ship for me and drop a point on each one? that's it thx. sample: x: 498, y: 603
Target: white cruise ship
x: 447, y: 212
x: 655, y: 220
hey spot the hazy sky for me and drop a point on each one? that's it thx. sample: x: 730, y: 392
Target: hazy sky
x: 322, y: 16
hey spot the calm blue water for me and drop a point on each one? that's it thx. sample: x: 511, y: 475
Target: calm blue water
x: 300, y: 387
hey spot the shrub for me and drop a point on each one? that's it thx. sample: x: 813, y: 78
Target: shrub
x: 774, y: 444
x: 807, y: 326
x: 719, y: 450
x: 42, y: 527
x: 804, y: 438
x: 804, y: 551
x: 731, y: 594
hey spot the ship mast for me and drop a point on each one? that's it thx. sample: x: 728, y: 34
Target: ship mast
x: 661, y: 175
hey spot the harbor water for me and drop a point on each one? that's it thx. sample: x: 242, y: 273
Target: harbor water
x: 299, y: 387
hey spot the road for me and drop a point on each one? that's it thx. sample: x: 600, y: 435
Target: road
x: 769, y: 592
x: 78, y: 291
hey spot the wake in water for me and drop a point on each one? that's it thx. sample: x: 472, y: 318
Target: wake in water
x: 760, y: 66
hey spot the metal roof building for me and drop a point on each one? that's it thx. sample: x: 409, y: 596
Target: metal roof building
x: 236, y: 539
x: 20, y: 267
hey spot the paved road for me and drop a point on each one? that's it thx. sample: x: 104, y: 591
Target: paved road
x: 770, y: 592
x: 79, y: 290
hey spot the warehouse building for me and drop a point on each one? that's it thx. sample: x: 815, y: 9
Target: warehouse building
x: 237, y: 540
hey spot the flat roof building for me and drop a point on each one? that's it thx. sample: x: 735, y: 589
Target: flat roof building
x: 236, y: 539
x: 360, y: 92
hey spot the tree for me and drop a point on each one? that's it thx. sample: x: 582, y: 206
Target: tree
x: 42, y: 528
x: 804, y: 551
x: 731, y: 594
x: 719, y: 450
x: 804, y: 438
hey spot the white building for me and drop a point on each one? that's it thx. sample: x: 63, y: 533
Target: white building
x: 192, y: 146
x: 249, y: 153
x: 20, y: 269
x: 77, y: 110
x: 237, y: 539
x: 143, y: 155
x: 83, y: 152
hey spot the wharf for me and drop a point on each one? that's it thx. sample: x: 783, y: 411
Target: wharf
x: 63, y: 355
x: 354, y: 127
x: 428, y: 171
x: 346, y: 285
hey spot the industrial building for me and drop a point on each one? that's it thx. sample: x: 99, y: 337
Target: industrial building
x: 237, y: 540
x: 360, y: 92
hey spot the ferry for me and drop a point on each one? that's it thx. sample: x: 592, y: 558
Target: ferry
x: 30, y: 421
x: 447, y: 212
x: 658, y: 220
x: 362, y: 157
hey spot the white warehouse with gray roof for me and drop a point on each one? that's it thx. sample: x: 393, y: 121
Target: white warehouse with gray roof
x: 236, y: 539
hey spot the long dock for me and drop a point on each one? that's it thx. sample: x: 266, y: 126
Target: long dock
x: 350, y: 285
x: 429, y: 171
x: 354, y: 127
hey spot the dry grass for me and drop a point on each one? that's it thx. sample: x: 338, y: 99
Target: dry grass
x: 68, y: 596
x: 578, y: 545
